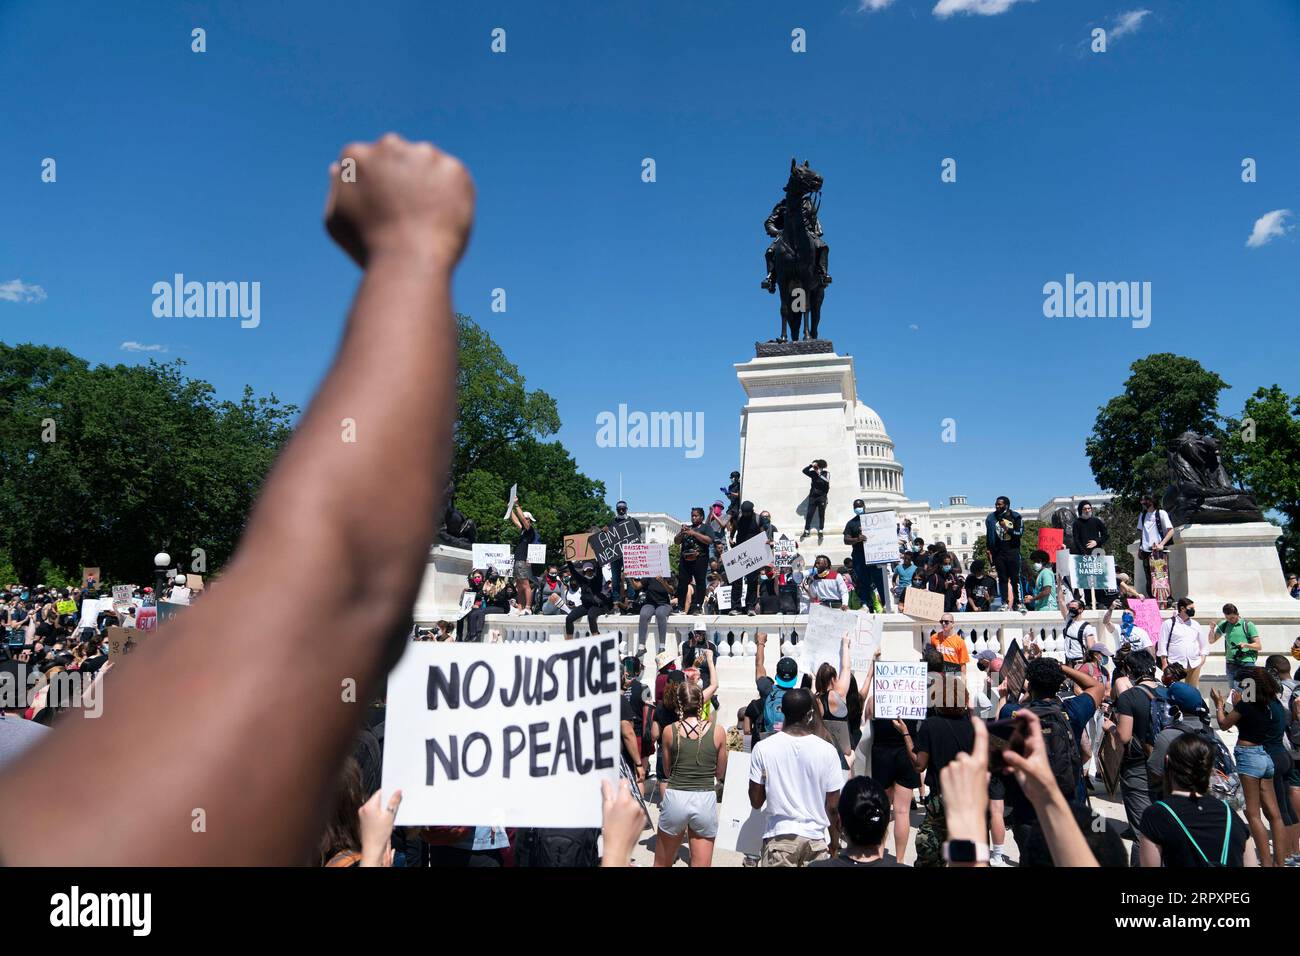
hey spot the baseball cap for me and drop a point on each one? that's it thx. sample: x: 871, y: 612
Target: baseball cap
x: 787, y: 672
x: 1185, y: 697
x: 529, y: 515
x: 986, y: 655
x: 1100, y: 649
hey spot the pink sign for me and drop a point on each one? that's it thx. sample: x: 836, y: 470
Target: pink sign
x: 1146, y: 615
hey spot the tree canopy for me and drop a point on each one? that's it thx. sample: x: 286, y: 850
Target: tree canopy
x: 1262, y: 450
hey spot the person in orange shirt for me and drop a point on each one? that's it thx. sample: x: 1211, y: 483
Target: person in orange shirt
x: 956, y: 655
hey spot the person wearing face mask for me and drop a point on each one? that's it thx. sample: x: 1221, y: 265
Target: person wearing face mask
x: 594, y: 600
x: 551, y: 591
x: 1079, y: 634
x: 1089, y: 531
x: 717, y: 526
x: 868, y: 579
x: 818, y: 491
x: 732, y: 491
x: 945, y: 578
x: 903, y: 574
x: 624, y: 524
x: 1044, y: 597
x: 470, y: 627
x: 747, y: 526
x: 693, y: 541
x: 1183, y: 641
x: 825, y: 586
x: 765, y: 522
x: 1003, y: 529
x: 1129, y: 632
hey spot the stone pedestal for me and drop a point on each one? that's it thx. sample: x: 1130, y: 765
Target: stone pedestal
x: 444, y: 580
x: 800, y: 407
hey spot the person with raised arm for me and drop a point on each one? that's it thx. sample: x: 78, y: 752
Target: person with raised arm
x: 259, y: 765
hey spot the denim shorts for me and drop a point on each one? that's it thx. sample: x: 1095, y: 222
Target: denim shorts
x: 1253, y: 762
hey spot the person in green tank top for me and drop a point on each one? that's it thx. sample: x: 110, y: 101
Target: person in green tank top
x: 695, y: 761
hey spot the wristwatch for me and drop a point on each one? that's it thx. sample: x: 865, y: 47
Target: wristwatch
x: 965, y: 851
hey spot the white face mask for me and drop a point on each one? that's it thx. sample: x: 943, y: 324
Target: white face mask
x: 1038, y: 565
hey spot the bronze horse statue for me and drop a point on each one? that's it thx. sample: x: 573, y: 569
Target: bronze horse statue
x: 797, y: 260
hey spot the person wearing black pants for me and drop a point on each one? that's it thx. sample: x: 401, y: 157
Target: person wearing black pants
x: 1002, y: 531
x: 818, y: 491
x: 747, y: 526
x: 594, y: 601
x: 692, y: 561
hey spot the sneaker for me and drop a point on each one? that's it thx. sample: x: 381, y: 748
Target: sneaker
x: 999, y: 860
x: 819, y: 537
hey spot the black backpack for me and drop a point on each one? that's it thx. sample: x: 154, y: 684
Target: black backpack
x: 788, y: 598
x: 1062, y: 751
x: 557, y: 847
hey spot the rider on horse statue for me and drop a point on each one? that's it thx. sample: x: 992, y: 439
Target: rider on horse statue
x: 776, y: 222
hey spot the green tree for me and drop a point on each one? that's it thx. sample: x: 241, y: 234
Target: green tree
x: 1262, y: 451
x: 1165, y: 395
x: 105, y: 465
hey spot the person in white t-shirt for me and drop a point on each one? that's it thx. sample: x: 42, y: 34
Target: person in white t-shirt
x: 798, y: 775
x: 1129, y: 632
x: 1156, y: 531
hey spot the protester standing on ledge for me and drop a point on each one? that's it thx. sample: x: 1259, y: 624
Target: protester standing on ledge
x: 818, y: 492
x: 1002, y: 532
x: 1155, y: 531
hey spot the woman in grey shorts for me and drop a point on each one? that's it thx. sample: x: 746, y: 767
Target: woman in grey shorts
x: 695, y: 758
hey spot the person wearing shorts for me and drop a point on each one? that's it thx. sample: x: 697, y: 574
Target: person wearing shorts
x: 694, y: 752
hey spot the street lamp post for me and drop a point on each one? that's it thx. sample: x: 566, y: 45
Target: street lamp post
x: 160, y: 562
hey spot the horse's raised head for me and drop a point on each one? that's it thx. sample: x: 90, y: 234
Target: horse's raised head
x: 803, y: 179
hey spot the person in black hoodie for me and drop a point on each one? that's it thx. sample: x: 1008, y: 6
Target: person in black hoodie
x: 594, y: 600
x: 747, y: 526
x: 817, y: 493
x: 1089, y: 530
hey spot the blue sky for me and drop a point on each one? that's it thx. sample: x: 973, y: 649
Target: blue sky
x: 1122, y: 166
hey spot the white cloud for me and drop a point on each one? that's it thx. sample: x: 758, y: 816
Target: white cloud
x: 873, y: 5
x: 1127, y: 23
x: 1268, y: 227
x: 15, y: 290
x: 141, y: 347
x: 985, y: 8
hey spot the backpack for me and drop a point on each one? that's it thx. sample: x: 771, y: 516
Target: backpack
x: 1158, y: 708
x: 558, y: 847
x: 1225, y: 784
x: 772, y: 717
x: 643, y: 717
x: 788, y: 599
x: 1062, y: 752
x: 1289, y: 697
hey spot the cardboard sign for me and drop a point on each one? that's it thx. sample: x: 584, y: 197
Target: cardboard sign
x: 926, y: 605
x: 499, y: 556
x: 784, y: 551
x: 744, y: 558
x: 1110, y: 755
x: 123, y: 640
x: 740, y: 826
x: 827, y: 628
x: 517, y: 734
x: 514, y: 498
x: 88, y: 573
x: 195, y: 582
x: 1051, y: 540
x: 608, y: 544
x: 1013, y: 671
x: 881, y: 531
x: 66, y: 607
x: 537, y: 554
x: 1146, y: 615
x: 900, y: 690
x: 645, y: 560
x: 146, y: 619
x: 577, y: 547
x: 1087, y: 571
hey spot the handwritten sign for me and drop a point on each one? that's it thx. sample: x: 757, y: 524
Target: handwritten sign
x: 1146, y: 615
x: 645, y: 560
x: 577, y: 547
x: 784, y: 551
x: 122, y: 594
x: 746, y: 557
x: 146, y: 618
x: 881, y: 531
x: 497, y: 556
x: 827, y: 628
x: 900, y: 690
x: 608, y: 544
x: 1051, y: 540
x: 926, y: 605
x: 66, y: 607
x: 723, y: 594
x: 537, y: 554
x: 503, y: 734
x: 866, y: 638
x: 122, y: 640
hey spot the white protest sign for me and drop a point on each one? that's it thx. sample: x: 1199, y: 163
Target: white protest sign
x: 645, y: 560
x: 180, y: 595
x: 122, y: 594
x: 750, y: 556
x: 514, y: 497
x: 497, y: 556
x: 881, y: 530
x: 784, y: 551
x: 537, y: 554
x: 503, y: 734
x: 740, y: 826
x: 90, y: 608
x: 723, y: 594
x: 866, y: 639
x: 827, y: 628
x: 900, y: 689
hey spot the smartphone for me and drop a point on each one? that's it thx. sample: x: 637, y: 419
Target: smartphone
x: 1005, y: 735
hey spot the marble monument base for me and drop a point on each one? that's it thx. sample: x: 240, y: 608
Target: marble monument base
x: 444, y: 580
